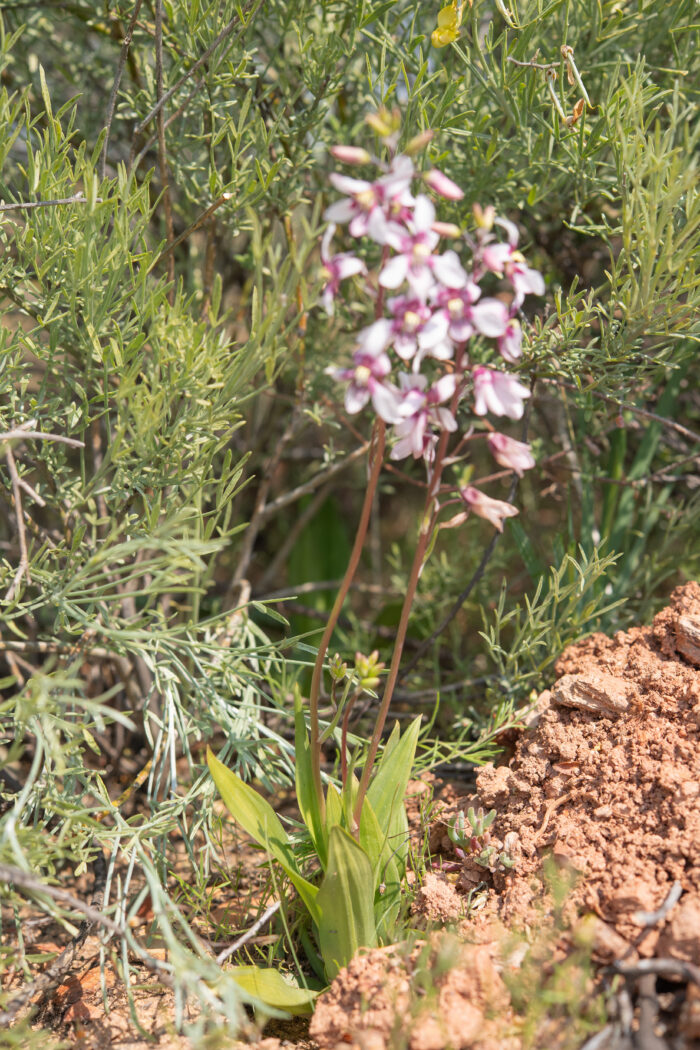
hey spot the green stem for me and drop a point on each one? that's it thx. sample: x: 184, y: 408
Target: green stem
x: 315, y: 734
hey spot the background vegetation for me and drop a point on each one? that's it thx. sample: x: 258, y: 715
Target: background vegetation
x: 163, y: 171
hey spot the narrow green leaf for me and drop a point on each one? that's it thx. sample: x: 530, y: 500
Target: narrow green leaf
x: 388, y: 787
x: 346, y: 903
x: 306, y: 792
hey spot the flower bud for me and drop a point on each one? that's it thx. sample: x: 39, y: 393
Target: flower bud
x: 439, y: 182
x: 446, y: 229
x: 484, y: 217
x: 419, y: 142
x: 351, y: 154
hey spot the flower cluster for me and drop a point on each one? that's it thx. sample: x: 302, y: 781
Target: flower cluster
x: 430, y: 308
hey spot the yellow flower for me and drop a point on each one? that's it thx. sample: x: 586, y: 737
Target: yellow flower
x: 448, y: 23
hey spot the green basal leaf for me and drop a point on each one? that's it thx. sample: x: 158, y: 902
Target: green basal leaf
x: 345, y: 901
x: 268, y: 986
x: 334, y: 807
x: 258, y: 818
x: 388, y: 787
x: 306, y: 793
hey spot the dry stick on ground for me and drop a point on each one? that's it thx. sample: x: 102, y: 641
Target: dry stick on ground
x: 162, y: 157
x: 249, y: 934
x: 117, y: 81
x: 54, y: 974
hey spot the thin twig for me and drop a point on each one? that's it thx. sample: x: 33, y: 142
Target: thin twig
x: 643, y: 412
x: 162, y: 156
x: 26, y: 881
x: 534, y: 65
x: 77, y: 198
x: 172, y: 245
x: 23, y: 567
x: 661, y: 967
x: 237, y: 944
x: 278, y: 504
x: 19, y: 432
x: 651, y: 918
x: 193, y: 69
x: 117, y: 81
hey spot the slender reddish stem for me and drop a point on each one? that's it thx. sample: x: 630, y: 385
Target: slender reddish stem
x: 376, y: 459
x: 427, y: 525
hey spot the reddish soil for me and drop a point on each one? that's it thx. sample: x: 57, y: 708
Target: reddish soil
x: 604, y: 781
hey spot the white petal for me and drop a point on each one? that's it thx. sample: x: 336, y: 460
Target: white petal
x: 448, y: 270
x: 424, y: 214
x: 346, y: 183
x: 374, y: 338
x: 356, y: 397
x: 341, y: 212
x: 490, y: 317
x: 394, y: 273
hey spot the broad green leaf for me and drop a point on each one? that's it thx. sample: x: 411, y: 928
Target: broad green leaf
x: 258, y: 818
x: 346, y: 903
x: 306, y: 793
x: 334, y: 807
x: 388, y: 787
x: 387, y: 877
x: 269, y: 987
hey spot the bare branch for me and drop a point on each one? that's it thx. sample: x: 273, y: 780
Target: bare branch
x: 77, y: 198
x: 117, y: 81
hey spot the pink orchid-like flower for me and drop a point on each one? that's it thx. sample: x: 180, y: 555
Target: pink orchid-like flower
x: 416, y: 330
x: 372, y: 201
x: 508, y: 452
x: 440, y: 183
x: 468, y: 315
x: 366, y: 380
x: 498, y: 392
x: 415, y: 261
x: 335, y: 269
x: 506, y: 261
x: 419, y: 410
x: 494, y: 510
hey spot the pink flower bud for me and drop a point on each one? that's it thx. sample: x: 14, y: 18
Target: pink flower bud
x: 446, y: 229
x: 442, y: 185
x: 351, y: 154
x: 494, y: 510
x: 418, y: 142
x: 508, y: 452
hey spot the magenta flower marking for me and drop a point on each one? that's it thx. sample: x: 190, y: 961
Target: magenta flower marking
x: 376, y: 201
x: 415, y: 261
x: 365, y: 381
x: 419, y: 410
x: 335, y: 269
